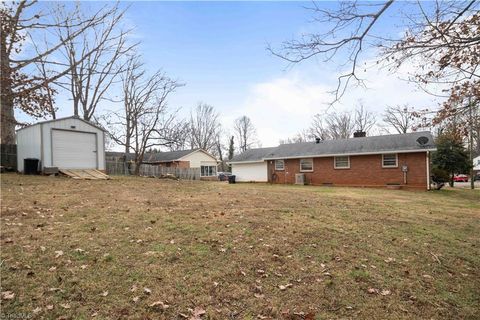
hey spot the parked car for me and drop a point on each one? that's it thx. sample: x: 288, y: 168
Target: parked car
x: 223, y: 176
x: 460, y: 178
x: 476, y: 177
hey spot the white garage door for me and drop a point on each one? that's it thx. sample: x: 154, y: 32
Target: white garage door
x: 74, y: 150
x: 250, y: 171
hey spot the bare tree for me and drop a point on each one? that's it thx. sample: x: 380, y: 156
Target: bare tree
x: 303, y: 136
x: 90, y: 78
x: 364, y: 119
x: 400, y: 118
x: 245, y: 132
x: 180, y: 135
x: 340, y: 125
x: 318, y: 128
x: 145, y: 121
x: 20, y: 86
x: 220, y: 147
x: 204, y: 128
x: 440, y: 38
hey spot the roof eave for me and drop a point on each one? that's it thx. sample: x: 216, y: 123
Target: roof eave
x: 352, y: 154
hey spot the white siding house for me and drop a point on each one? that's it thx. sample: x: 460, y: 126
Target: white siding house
x: 199, y: 158
x: 67, y: 143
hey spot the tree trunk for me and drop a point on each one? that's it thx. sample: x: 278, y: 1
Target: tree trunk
x: 8, y: 121
x: 451, y: 180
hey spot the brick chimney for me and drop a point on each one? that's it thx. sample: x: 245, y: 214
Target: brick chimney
x: 359, y: 134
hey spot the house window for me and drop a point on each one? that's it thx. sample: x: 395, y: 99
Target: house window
x: 306, y: 165
x: 389, y: 160
x: 208, y: 171
x: 342, y: 162
x: 279, y: 165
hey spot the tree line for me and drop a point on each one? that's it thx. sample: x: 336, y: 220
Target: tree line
x: 74, y: 49
x: 85, y: 51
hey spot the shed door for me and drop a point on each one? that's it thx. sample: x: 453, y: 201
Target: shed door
x: 74, y: 150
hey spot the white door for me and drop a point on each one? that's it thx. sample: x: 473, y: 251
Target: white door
x: 74, y: 150
x: 250, y: 171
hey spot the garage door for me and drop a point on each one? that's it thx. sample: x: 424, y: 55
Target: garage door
x: 74, y: 150
x: 250, y: 171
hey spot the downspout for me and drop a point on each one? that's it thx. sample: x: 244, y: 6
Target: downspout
x: 428, y: 169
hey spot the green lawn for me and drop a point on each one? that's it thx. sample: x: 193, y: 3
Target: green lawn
x: 144, y: 248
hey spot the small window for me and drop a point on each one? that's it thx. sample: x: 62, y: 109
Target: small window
x: 389, y: 160
x: 279, y: 165
x: 208, y: 171
x: 306, y: 164
x: 342, y: 162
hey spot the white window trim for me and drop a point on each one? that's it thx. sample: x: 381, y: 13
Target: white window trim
x: 396, y: 160
x: 203, y: 165
x: 283, y: 165
x: 300, y: 163
x: 335, y: 163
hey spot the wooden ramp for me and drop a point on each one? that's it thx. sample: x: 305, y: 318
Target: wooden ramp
x: 85, y: 174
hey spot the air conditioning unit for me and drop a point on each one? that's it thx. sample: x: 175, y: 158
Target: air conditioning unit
x: 299, y: 178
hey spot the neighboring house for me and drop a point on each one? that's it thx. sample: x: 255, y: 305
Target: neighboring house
x: 196, y: 158
x: 66, y: 143
x: 400, y: 160
x: 476, y: 164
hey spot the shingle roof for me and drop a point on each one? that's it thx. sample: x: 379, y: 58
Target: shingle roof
x: 257, y: 154
x: 155, y: 156
x: 375, y: 144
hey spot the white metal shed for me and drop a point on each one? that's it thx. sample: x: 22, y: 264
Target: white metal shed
x: 66, y: 143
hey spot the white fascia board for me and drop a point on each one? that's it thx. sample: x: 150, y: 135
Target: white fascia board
x: 246, y: 162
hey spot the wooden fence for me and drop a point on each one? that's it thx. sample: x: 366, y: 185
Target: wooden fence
x: 123, y: 168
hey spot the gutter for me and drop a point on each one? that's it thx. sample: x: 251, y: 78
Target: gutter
x: 352, y: 154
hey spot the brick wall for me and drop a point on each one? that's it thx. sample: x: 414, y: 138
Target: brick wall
x: 365, y: 171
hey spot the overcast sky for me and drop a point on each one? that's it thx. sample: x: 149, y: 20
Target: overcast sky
x: 218, y: 49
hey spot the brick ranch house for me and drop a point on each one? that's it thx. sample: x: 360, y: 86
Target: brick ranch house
x: 394, y: 161
x: 195, y: 158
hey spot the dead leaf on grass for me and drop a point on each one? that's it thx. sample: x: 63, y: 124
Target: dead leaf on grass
x: 50, y: 307
x: 65, y: 305
x: 372, y: 291
x: 135, y: 299
x: 385, y: 292
x: 8, y: 295
x: 37, y: 310
x: 159, y: 305
x: 197, y: 313
x: 284, y: 287
x: 104, y: 293
x: 147, y: 291
x: 52, y: 269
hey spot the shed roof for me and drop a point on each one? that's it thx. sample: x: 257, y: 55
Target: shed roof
x: 66, y: 118
x: 353, y: 146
